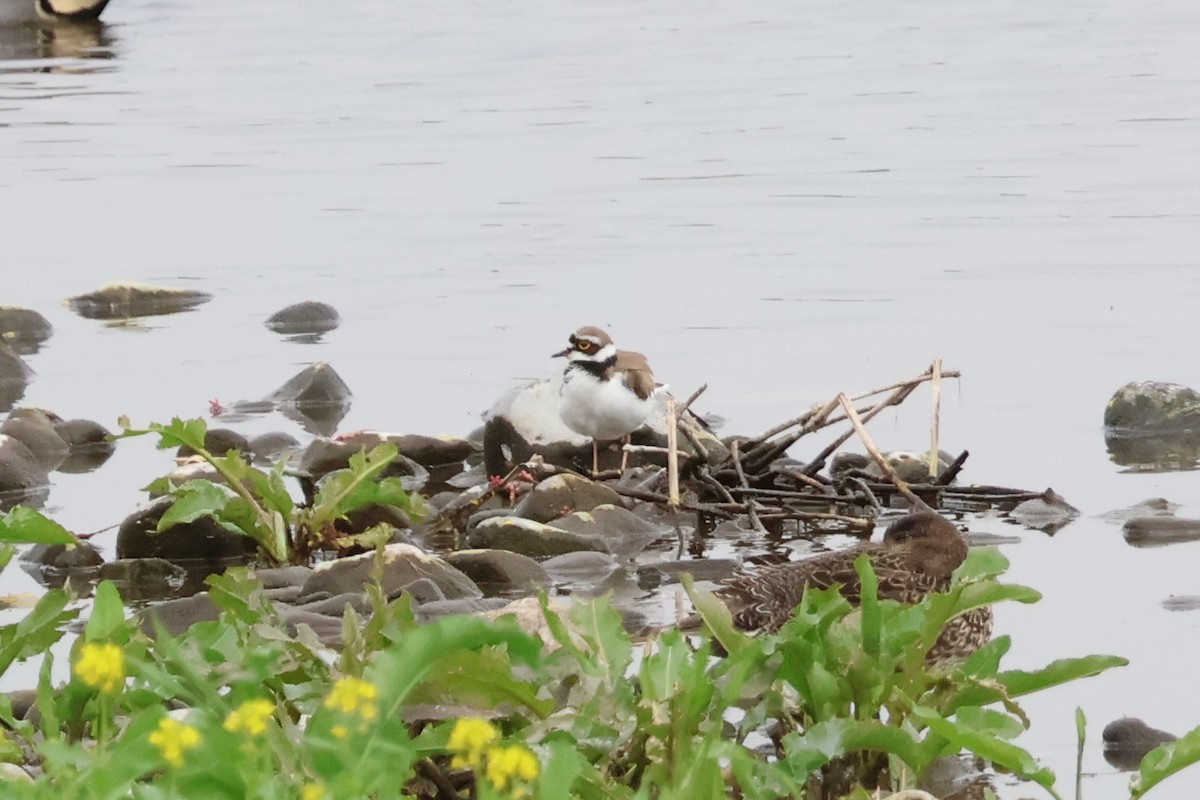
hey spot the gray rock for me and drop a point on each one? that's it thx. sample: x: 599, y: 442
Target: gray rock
x: 1153, y: 407
x: 23, y: 329
x: 336, y: 606
x: 34, y: 427
x: 278, y: 577
x: 499, y: 571
x: 1157, y: 531
x: 624, y: 533
x: 1182, y: 602
x: 445, y: 608
x: 528, y: 537
x: 564, y: 494
x: 328, y: 629
x: 308, y: 317
x: 1049, y: 513
x: 286, y: 594
x: 144, y: 578
x: 89, y: 445
x: 63, y: 556
x: 580, y: 568
x: 323, y: 456
x: 176, y: 616
x: 22, y: 478
x: 14, y: 377
x: 701, y: 569
x: 269, y: 447
x: 200, y: 540
x: 1152, y: 507
x: 219, y: 441
x: 403, y: 565
x: 124, y: 300
x: 1128, y: 739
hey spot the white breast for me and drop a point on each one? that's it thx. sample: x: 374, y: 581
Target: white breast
x: 604, y: 410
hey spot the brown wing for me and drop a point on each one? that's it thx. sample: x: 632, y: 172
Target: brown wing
x: 635, y: 372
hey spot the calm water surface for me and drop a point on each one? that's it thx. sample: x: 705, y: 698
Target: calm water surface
x: 784, y: 201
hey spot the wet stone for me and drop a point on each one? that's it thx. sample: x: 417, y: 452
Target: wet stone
x: 277, y: 577
x: 22, y: 478
x: 308, y: 317
x: 1182, y: 602
x: 1158, y: 531
x: 403, y: 565
x: 124, y: 300
x: 445, y: 608
x: 564, y: 494
x: 584, y: 567
x: 219, y: 441
x: 528, y: 537
x: 14, y: 376
x: 88, y: 442
x: 1049, y: 513
x: 701, y: 569
x: 336, y: 606
x: 1151, y: 507
x: 269, y: 447
x: 499, y: 571
x: 199, y: 540
x: 63, y: 556
x: 176, y: 616
x: 34, y: 427
x: 624, y: 533
x: 1128, y: 739
x: 323, y: 456
x: 1153, y: 407
x: 23, y: 329
x: 143, y: 578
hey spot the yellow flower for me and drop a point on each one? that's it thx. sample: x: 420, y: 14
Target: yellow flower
x: 172, y: 737
x: 251, y: 717
x: 312, y: 791
x: 101, y: 666
x: 353, y: 696
x: 470, y: 737
x: 510, y: 766
x: 340, y: 731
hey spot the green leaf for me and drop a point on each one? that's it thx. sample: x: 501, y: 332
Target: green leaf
x: 39, y: 629
x: 982, y: 562
x: 999, y: 752
x: 825, y: 741
x: 563, y: 765
x: 24, y: 525
x: 195, y: 499
x: 716, y: 617
x: 990, y: 721
x: 178, y: 433
x: 600, y: 626
x: 1166, y: 760
x: 107, y: 620
x: 868, y: 605
x: 1016, y: 683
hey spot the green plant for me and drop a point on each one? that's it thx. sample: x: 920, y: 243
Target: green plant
x: 256, y: 503
x: 1166, y: 760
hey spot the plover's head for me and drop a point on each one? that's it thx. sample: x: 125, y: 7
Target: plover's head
x: 589, y: 344
x: 69, y: 10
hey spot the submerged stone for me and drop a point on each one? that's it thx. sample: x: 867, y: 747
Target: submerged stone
x: 200, y: 540
x: 89, y: 444
x: 23, y: 480
x: 271, y: 446
x: 219, y: 441
x: 23, y: 329
x: 564, y: 494
x: 34, y: 427
x: 14, y: 377
x: 528, y: 537
x: 1048, y: 513
x: 308, y: 317
x: 124, y: 300
x: 1127, y: 740
x: 624, y: 533
x: 403, y: 565
x: 1158, y: 531
x: 500, y: 571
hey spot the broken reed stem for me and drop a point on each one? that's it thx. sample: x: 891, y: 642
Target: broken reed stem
x: 683, y: 409
x: 783, y: 426
x: 894, y: 398
x: 901, y: 486
x: 672, y: 454
x: 751, y: 503
x: 649, y: 448
x: 935, y: 428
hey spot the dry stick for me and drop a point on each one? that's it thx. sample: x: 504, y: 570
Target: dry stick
x: 672, y: 455
x: 901, y: 486
x: 654, y: 497
x: 871, y: 498
x: 649, y: 448
x: 683, y: 409
x: 685, y: 427
x: 935, y: 429
x: 952, y: 471
x: 895, y: 398
x: 783, y: 426
x: 812, y: 420
x: 751, y: 506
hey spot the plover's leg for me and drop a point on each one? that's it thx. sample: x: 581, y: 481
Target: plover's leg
x: 625, y: 453
x: 595, y: 457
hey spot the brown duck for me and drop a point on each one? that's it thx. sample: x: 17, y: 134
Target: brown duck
x: 917, y: 556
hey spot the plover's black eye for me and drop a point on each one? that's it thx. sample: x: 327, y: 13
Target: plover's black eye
x: 583, y: 346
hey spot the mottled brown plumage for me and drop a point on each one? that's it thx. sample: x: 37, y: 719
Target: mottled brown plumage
x: 917, y: 556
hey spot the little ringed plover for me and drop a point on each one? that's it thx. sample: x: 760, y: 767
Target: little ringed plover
x: 607, y: 393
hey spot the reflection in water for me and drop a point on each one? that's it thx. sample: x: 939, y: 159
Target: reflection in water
x: 44, y: 42
x: 1175, y: 452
